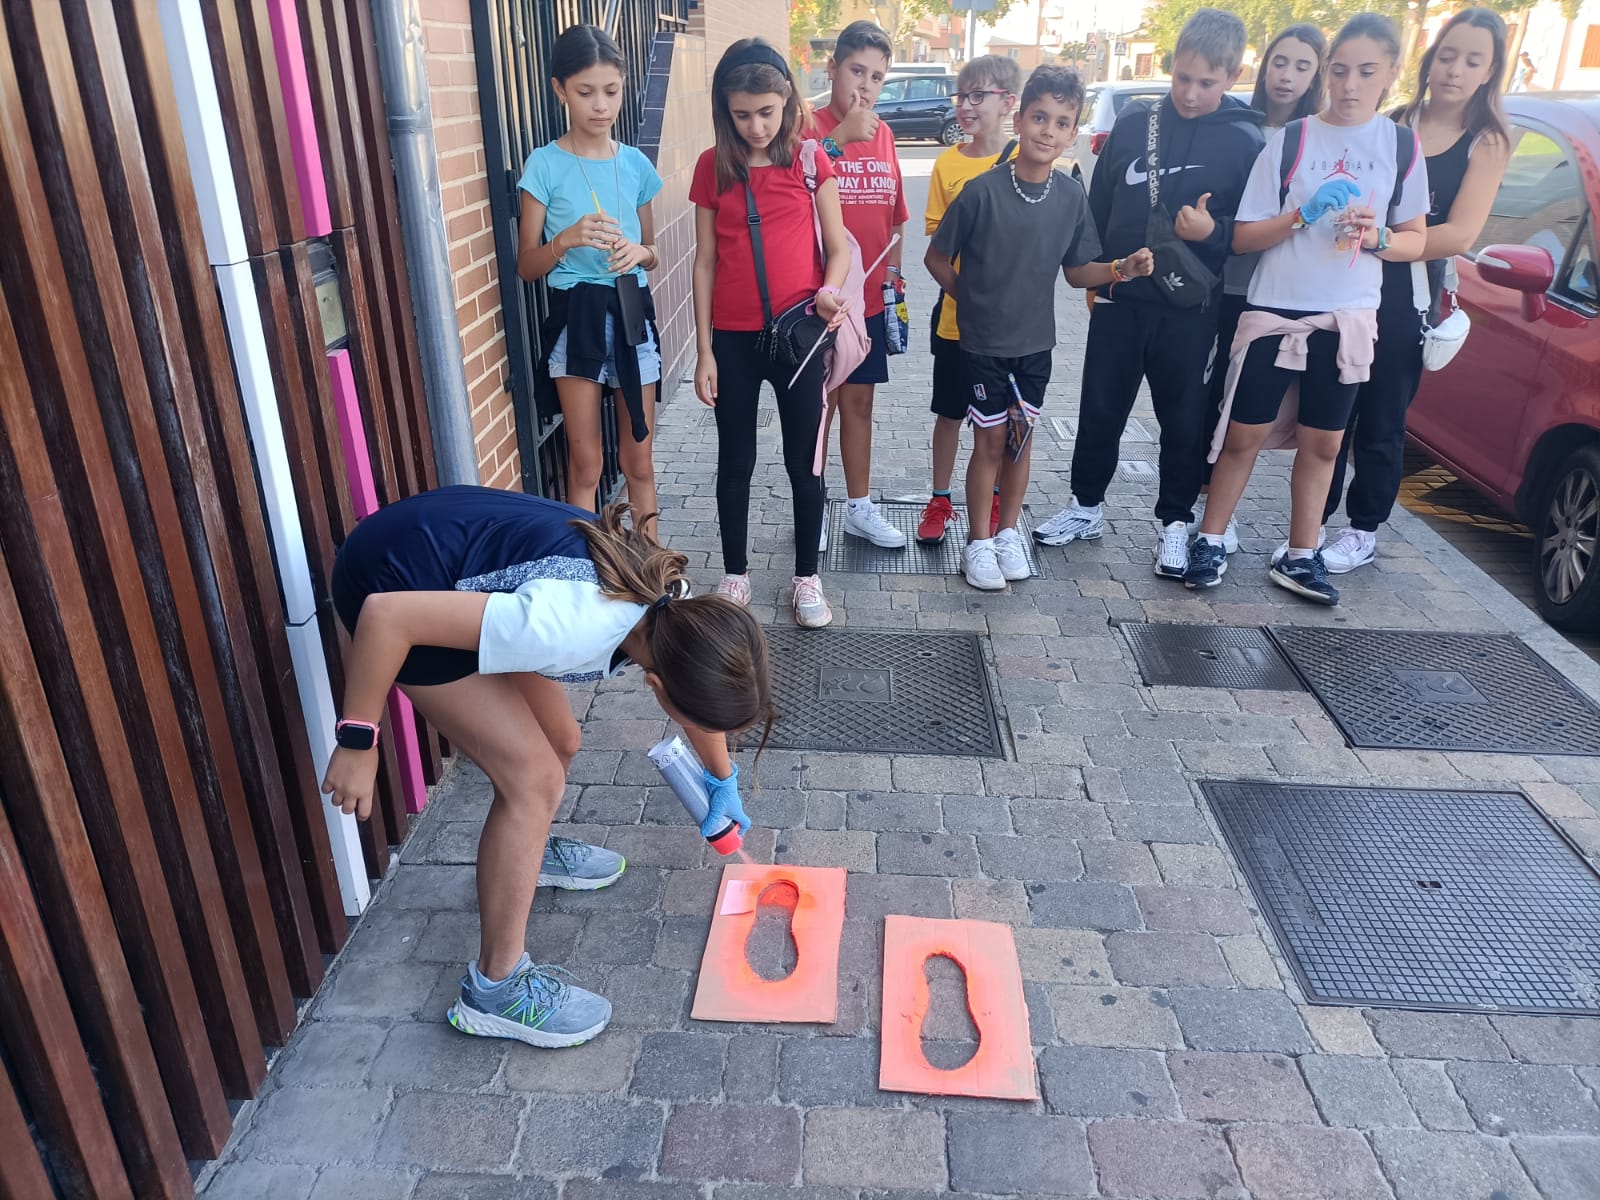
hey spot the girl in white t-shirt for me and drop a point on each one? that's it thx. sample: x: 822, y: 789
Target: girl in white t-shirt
x: 1313, y: 302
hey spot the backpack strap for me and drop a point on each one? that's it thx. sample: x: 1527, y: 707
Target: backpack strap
x: 808, y: 164
x: 1405, y: 158
x: 1294, y: 146
x: 1005, y: 155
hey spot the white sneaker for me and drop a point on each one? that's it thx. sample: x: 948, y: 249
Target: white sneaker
x: 810, y: 606
x: 1351, y: 549
x: 865, y: 521
x: 1172, y: 556
x: 981, y: 566
x: 1230, y: 536
x: 1010, y: 556
x: 1075, y: 523
x: 1282, y: 552
x: 735, y: 588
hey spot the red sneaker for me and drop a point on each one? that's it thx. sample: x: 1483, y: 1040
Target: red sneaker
x: 936, y: 519
x: 994, y: 516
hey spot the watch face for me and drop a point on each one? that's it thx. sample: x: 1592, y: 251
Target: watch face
x: 355, y: 735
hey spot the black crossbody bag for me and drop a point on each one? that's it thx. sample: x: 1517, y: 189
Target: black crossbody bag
x: 1183, y: 280
x: 792, y: 334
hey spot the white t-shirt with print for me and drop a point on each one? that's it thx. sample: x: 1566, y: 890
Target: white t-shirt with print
x: 1308, y: 272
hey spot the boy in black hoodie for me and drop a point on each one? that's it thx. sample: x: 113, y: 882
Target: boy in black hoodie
x: 1207, y: 143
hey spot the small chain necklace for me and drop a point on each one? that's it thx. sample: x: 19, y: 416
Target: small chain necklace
x: 616, y: 176
x: 1027, y: 199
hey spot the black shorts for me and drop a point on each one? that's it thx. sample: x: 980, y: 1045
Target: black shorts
x: 949, y: 380
x: 875, y: 367
x: 1325, y: 403
x: 425, y: 666
x: 993, y: 383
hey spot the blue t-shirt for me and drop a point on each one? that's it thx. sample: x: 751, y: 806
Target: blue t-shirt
x: 556, y: 179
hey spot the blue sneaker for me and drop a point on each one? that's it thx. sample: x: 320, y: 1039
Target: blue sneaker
x: 532, y: 1006
x: 1208, y: 563
x: 1306, y: 577
x: 575, y: 866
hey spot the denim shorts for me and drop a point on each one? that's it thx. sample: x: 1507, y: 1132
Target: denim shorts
x: 649, y: 357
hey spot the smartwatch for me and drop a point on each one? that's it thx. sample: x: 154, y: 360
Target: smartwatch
x: 356, y: 735
x: 832, y: 148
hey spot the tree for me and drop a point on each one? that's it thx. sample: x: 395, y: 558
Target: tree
x: 913, y: 11
x: 809, y: 19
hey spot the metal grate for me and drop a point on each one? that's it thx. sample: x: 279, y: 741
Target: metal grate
x: 873, y: 691
x: 1209, y: 656
x: 1454, y: 900
x: 1392, y: 689
x: 852, y: 555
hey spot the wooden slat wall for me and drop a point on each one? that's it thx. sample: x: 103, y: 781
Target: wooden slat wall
x: 167, y: 891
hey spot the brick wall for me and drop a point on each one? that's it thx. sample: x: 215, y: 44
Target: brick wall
x: 458, y: 137
x: 680, y: 131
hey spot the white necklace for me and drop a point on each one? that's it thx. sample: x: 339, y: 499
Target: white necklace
x: 1027, y: 199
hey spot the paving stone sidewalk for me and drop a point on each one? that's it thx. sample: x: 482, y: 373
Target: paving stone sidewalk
x: 1175, y: 1055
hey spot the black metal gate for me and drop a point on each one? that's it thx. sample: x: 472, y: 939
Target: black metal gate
x: 512, y: 40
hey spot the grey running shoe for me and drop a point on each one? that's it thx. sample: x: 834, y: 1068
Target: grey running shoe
x: 532, y: 1006
x: 1075, y: 523
x: 575, y: 866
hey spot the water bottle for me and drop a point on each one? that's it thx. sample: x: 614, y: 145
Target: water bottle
x: 686, y: 777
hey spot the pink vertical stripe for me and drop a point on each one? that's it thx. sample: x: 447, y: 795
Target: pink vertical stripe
x: 303, y: 142
x: 364, y: 497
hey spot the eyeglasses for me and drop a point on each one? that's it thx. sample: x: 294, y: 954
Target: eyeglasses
x: 976, y: 98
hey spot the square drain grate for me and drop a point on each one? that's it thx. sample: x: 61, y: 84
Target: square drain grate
x: 1209, y: 656
x: 1398, y: 690
x: 849, y: 554
x: 870, y: 691
x: 1453, y: 900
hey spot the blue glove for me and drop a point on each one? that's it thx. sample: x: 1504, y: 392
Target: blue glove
x: 725, y: 803
x: 1332, y: 196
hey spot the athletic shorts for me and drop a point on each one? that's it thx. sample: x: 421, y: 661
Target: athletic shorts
x: 949, y: 380
x: 875, y: 367
x: 1325, y: 403
x: 994, y: 383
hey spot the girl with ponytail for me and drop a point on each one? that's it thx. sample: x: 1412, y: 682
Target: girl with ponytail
x: 479, y: 604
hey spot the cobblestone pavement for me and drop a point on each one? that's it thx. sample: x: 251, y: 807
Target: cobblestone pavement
x: 1175, y: 1055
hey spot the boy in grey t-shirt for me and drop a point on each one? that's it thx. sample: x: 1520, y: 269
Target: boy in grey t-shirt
x: 1013, y: 228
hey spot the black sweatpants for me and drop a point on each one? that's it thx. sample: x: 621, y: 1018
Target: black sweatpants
x: 742, y: 366
x: 1130, y: 342
x: 1375, y: 440
x: 1229, y: 309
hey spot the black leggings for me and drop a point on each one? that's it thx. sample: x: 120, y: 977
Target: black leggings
x: 1376, y: 438
x: 741, y: 368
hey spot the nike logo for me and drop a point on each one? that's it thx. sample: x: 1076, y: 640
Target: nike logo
x: 1137, y: 175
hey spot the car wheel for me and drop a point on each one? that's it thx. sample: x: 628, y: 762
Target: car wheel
x: 950, y: 134
x: 1565, y: 574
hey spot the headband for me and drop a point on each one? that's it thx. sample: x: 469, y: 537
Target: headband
x: 757, y: 53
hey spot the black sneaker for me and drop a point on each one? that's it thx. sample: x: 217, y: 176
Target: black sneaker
x: 1306, y: 577
x: 1208, y: 563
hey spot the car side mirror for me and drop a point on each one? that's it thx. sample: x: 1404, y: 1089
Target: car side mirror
x: 1526, y: 269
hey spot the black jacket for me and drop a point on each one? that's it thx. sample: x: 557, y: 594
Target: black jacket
x: 581, y: 311
x: 1213, y: 153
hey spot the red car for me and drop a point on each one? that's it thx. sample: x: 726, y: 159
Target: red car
x: 1517, y: 412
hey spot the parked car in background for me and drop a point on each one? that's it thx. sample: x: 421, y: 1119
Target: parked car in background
x: 1102, y: 102
x: 920, y: 106
x: 1517, y: 413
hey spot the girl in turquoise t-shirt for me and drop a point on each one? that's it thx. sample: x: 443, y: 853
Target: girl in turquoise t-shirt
x: 585, y: 224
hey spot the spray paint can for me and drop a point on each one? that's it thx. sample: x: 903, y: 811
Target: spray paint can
x: 686, y: 777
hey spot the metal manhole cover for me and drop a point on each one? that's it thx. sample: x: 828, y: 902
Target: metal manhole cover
x: 1455, y: 900
x: 1399, y: 690
x: 1209, y: 656
x: 874, y: 691
x: 848, y: 554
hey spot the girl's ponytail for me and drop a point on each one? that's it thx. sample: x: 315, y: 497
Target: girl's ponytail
x: 708, y: 652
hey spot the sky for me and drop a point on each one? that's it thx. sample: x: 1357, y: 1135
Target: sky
x: 1078, y: 17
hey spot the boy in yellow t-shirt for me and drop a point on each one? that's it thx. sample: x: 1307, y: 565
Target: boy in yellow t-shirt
x: 986, y: 93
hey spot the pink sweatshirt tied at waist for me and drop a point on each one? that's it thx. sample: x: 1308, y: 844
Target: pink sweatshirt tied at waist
x: 1358, y: 335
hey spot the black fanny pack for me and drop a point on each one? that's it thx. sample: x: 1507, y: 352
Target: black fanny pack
x: 1182, y: 279
x: 791, y: 335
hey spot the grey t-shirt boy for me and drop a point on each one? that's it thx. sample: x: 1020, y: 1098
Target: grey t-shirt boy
x: 1011, y: 254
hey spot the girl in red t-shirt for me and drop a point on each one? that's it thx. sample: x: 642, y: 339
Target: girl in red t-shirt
x: 755, y: 111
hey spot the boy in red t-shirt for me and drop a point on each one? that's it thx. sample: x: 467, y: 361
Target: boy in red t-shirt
x: 873, y: 198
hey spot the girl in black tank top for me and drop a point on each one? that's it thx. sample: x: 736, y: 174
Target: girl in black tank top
x: 1461, y: 71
